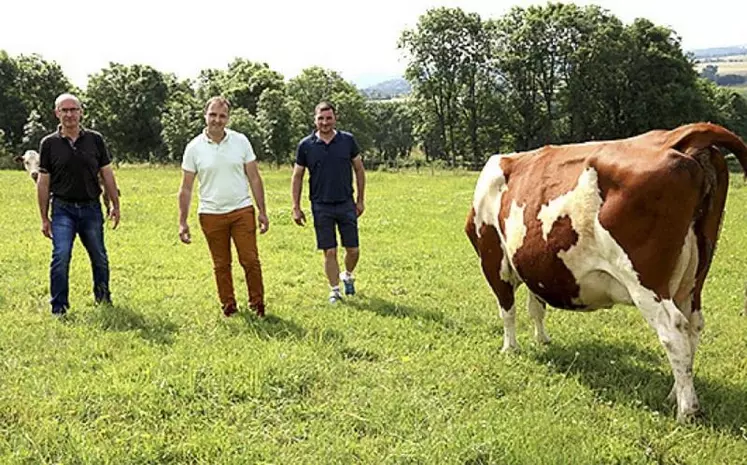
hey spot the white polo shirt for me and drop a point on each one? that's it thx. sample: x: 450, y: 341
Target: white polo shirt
x: 224, y: 186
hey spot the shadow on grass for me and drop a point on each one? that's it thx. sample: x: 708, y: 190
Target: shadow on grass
x: 122, y: 318
x: 622, y: 372
x: 272, y: 327
x: 385, y: 308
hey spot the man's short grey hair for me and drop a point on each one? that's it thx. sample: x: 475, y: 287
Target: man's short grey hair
x: 63, y: 97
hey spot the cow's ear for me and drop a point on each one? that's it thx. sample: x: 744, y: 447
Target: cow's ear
x: 18, y: 159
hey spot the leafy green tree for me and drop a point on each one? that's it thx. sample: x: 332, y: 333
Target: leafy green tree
x: 126, y: 103
x: 723, y: 106
x: 535, y: 55
x: 353, y: 116
x: 246, y: 81
x: 662, y: 89
x: 40, y: 82
x: 242, y: 83
x: 12, y: 110
x: 6, y: 154
x: 452, y: 72
x: 316, y: 84
x: 434, y: 48
x: 209, y: 84
x: 182, y: 120
x: 245, y: 123
x: 33, y: 132
x: 393, y: 137
x: 595, y: 78
x: 274, y: 121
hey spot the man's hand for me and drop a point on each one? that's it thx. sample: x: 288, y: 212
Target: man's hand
x: 46, y: 228
x: 264, y: 223
x: 184, y: 235
x: 299, y: 217
x: 114, y: 217
x: 359, y: 207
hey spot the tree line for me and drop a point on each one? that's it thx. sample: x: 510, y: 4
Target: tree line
x: 557, y: 73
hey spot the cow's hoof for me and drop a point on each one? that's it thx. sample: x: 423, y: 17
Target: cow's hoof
x: 510, y: 349
x: 689, y: 414
x: 687, y: 417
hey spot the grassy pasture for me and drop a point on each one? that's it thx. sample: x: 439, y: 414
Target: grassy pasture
x: 407, y: 372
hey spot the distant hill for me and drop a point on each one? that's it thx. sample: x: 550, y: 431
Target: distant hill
x: 715, y: 52
x: 388, y: 89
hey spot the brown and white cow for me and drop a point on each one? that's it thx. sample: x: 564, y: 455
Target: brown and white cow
x: 30, y: 160
x: 586, y: 226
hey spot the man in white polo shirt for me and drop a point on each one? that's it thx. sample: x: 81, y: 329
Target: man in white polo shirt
x: 224, y: 163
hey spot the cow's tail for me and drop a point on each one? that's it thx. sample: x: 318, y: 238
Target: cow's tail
x: 703, y: 135
x: 471, y: 230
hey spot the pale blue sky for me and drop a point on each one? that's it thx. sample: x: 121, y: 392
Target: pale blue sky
x: 357, y: 39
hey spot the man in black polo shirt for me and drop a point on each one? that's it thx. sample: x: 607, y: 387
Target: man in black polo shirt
x: 329, y: 155
x: 70, y: 162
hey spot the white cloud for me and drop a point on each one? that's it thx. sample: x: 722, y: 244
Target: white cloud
x: 355, y: 38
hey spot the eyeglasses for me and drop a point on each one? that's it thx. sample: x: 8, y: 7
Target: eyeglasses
x: 69, y: 110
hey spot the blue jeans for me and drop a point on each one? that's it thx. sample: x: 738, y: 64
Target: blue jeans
x: 86, y: 220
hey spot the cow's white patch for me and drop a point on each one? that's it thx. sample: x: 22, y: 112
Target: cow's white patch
x: 516, y: 230
x: 487, y: 204
x: 682, y: 282
x: 581, y: 205
x: 602, y: 269
x: 488, y: 192
x: 505, y: 272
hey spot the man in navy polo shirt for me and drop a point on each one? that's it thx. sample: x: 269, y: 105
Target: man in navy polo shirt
x: 331, y: 157
x: 71, y: 160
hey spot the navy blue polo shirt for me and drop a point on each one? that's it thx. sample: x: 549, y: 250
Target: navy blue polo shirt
x: 330, y: 166
x: 73, y: 167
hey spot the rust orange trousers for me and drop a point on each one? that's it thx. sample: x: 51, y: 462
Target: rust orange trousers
x: 241, y: 227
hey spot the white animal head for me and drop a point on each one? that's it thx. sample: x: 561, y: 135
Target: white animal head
x: 30, y: 161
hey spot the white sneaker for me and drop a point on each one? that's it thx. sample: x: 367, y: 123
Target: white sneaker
x: 334, y: 296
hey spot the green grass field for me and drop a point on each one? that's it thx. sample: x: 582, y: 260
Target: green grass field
x: 407, y: 372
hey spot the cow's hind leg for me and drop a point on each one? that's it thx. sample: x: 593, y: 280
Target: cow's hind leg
x: 509, y: 329
x: 493, y: 260
x: 536, y: 309
x: 697, y: 322
x: 674, y: 331
x: 504, y: 293
x: 495, y: 267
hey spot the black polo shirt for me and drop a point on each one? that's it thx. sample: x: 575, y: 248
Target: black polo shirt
x: 330, y: 167
x: 73, y: 167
